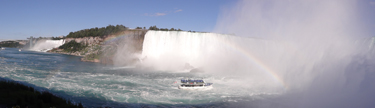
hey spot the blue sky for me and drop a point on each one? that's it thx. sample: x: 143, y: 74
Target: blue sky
x: 23, y: 18
x: 20, y: 19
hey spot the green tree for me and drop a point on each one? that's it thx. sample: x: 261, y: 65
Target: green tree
x: 72, y: 46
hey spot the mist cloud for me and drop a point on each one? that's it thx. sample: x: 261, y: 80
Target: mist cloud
x: 317, y: 52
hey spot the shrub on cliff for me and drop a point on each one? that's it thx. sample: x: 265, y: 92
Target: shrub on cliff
x: 72, y: 46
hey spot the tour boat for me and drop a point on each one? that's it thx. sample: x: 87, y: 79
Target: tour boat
x: 194, y: 84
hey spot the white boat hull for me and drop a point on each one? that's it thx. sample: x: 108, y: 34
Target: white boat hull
x: 195, y: 88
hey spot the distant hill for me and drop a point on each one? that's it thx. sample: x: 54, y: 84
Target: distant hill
x: 13, y: 43
x: 3, y: 40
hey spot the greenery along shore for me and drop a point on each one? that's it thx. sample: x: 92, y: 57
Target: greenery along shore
x: 13, y: 94
x: 92, y: 32
x: 110, y: 29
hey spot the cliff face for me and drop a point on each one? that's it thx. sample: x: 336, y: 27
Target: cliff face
x: 120, y: 49
x: 86, y: 40
x: 112, y: 49
x: 91, y: 45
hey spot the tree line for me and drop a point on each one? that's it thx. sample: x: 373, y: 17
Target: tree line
x: 160, y: 29
x: 110, y: 29
x: 97, y: 32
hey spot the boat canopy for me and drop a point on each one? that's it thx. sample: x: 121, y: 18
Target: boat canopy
x: 191, y: 81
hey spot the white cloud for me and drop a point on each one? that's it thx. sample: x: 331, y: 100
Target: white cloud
x: 179, y: 10
x: 155, y: 14
x: 163, y: 13
x: 160, y: 14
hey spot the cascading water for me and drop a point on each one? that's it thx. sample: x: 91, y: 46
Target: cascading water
x: 271, y: 66
x: 45, y: 45
x: 213, y: 53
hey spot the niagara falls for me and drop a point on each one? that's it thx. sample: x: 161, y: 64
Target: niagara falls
x: 214, y: 53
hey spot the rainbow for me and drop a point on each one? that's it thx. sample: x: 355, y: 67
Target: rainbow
x: 261, y: 65
x: 114, y: 38
x: 255, y: 61
x: 121, y: 35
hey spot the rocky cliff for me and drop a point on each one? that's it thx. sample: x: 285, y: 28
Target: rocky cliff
x: 111, y: 49
x: 87, y: 40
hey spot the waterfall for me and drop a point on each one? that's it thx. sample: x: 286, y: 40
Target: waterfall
x: 180, y: 47
x: 294, y: 62
x: 174, y: 49
x: 212, y: 53
x: 45, y: 45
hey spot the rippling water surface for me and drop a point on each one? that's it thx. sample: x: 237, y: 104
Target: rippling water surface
x: 97, y: 85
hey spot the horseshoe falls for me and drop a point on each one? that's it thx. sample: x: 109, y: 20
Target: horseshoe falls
x: 212, y: 53
x: 309, y: 72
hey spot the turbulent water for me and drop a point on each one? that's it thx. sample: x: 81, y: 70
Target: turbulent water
x: 98, y: 85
